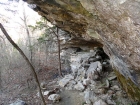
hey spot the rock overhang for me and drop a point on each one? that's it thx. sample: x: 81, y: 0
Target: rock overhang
x: 115, y: 24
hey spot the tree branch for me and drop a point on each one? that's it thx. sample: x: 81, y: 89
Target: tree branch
x: 26, y: 59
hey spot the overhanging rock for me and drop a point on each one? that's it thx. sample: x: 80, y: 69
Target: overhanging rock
x: 113, y: 23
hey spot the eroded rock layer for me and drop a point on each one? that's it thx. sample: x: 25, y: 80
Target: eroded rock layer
x: 113, y: 23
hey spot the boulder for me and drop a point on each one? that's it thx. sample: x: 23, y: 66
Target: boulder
x: 93, y: 66
x: 74, y: 67
x: 94, y: 70
x: 63, y: 82
x: 79, y: 59
x: 81, y: 74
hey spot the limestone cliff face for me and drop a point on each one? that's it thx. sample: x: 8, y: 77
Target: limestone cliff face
x: 113, y: 23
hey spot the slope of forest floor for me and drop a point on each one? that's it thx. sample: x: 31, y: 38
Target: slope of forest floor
x: 20, y: 90
x: 19, y: 84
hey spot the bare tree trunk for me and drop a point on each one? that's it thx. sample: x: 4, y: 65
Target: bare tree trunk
x: 24, y: 19
x: 26, y: 59
x: 0, y: 79
x: 46, y: 52
x: 29, y: 40
x: 59, y: 59
x: 60, y: 73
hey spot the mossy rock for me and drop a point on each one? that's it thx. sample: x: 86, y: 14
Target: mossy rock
x: 131, y: 88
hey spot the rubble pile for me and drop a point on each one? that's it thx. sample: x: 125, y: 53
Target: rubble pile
x: 92, y: 76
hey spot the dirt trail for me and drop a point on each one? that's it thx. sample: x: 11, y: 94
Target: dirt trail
x: 70, y: 98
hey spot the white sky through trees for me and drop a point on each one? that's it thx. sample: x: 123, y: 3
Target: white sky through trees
x: 11, y: 13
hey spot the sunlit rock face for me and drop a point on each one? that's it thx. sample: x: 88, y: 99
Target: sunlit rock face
x: 113, y: 23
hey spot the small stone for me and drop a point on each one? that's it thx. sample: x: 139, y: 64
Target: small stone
x: 105, y: 96
x: 125, y: 95
x: 112, y: 78
x: 93, y: 66
x: 87, y: 104
x: 19, y: 102
x: 46, y: 93
x: 99, y: 70
x: 107, y: 84
x: 115, y: 87
x: 93, y: 82
x: 104, y: 63
x: 92, y: 87
x: 43, y: 85
x: 92, y: 51
x: 119, y: 93
x: 89, y: 96
x: 98, y: 57
x: 38, y: 94
x: 86, y: 82
x: 85, y: 65
x: 69, y: 87
x: 110, y: 92
x: 93, y: 59
x: 100, y: 65
x: 95, y: 77
x: 99, y: 102
x: 101, y: 91
x: 54, y: 97
x: 110, y: 102
x: 73, y: 82
x: 79, y: 86
x: 69, y: 76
